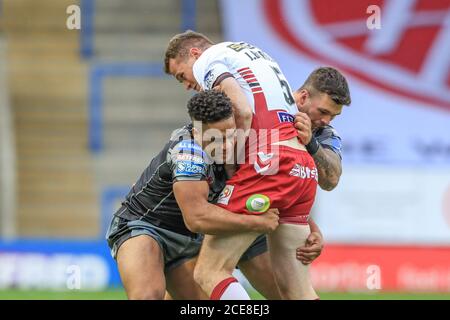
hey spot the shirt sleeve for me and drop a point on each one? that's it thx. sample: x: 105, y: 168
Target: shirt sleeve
x: 188, y: 162
x: 209, y: 71
x: 329, y: 138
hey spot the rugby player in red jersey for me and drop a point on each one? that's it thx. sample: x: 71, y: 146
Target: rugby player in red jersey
x: 277, y: 172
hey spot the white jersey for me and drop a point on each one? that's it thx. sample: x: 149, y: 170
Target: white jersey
x: 259, y: 76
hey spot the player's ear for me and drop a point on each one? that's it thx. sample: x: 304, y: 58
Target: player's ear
x: 303, y: 96
x: 195, y: 52
x: 194, y: 131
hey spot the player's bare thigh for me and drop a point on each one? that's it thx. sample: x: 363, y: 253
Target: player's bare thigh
x: 292, y: 277
x: 258, y: 272
x: 181, y: 284
x: 141, y: 267
x: 219, y: 256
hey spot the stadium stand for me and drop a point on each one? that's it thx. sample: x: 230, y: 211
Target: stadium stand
x: 60, y: 180
x: 139, y: 109
x: 7, y: 153
x: 48, y: 88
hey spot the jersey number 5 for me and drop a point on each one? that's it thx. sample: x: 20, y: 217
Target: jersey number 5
x: 284, y: 86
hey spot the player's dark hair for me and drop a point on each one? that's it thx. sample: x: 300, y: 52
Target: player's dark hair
x: 330, y: 81
x: 209, y: 106
x: 181, y: 43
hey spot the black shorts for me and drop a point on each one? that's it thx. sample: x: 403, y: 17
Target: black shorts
x: 176, y: 248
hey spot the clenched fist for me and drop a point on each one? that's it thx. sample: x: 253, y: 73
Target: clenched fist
x: 303, y: 126
x: 269, y: 220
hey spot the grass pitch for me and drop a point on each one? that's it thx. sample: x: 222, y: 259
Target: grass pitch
x: 118, y: 294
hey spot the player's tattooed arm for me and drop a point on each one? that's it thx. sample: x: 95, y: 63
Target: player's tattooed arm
x: 328, y: 163
x: 329, y: 167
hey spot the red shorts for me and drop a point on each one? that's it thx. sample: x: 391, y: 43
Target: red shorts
x: 286, y: 180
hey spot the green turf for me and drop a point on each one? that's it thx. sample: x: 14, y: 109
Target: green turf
x: 376, y: 296
x: 120, y: 294
x: 63, y: 295
x: 384, y: 296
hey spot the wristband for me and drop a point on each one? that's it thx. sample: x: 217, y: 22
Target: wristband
x: 313, y: 146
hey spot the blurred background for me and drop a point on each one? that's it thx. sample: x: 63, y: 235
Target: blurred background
x: 82, y: 113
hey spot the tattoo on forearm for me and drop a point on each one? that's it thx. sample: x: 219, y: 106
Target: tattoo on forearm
x: 329, y: 167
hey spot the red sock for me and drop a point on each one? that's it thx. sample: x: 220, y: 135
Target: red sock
x: 221, y: 287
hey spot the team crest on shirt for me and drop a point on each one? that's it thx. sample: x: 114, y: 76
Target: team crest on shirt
x: 225, y: 195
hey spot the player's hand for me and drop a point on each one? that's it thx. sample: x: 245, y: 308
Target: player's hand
x: 269, y: 220
x: 303, y: 126
x: 312, y: 249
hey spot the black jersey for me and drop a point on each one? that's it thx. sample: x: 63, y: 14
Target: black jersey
x: 152, y: 199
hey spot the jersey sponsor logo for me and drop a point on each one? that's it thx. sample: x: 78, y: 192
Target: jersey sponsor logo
x: 189, y: 168
x: 209, y: 79
x: 395, y: 58
x: 239, y: 46
x: 190, y: 146
x: 190, y: 158
x: 258, y: 203
x: 285, y: 117
x: 304, y: 172
x: 225, y: 195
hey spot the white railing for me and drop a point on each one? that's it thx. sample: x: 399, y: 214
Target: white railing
x: 7, y: 155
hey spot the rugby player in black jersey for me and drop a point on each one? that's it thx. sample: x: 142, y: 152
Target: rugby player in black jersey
x: 155, y: 245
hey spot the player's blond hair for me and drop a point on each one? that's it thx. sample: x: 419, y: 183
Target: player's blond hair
x: 180, y: 44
